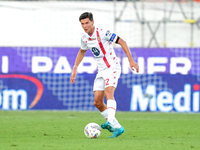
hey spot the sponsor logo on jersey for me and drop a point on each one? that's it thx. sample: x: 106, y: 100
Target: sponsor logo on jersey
x: 95, y: 51
x: 113, y: 37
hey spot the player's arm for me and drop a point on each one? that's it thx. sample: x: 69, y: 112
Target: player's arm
x: 124, y: 46
x: 79, y: 58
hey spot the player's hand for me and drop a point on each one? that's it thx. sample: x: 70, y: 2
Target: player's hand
x: 134, y: 66
x: 73, y: 75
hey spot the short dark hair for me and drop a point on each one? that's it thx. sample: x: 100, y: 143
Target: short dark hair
x: 86, y: 15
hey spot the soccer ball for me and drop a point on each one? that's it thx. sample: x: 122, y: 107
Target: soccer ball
x: 92, y: 130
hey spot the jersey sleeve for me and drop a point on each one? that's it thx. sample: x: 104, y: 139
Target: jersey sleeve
x: 111, y: 36
x: 84, y: 45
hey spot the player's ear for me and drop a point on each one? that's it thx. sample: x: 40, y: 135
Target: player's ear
x: 92, y: 22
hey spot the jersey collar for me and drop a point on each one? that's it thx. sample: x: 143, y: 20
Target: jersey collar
x: 93, y: 32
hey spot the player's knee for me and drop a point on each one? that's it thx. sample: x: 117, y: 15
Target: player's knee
x: 98, y: 104
x: 109, y: 92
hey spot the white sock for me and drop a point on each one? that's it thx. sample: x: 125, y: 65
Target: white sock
x: 105, y: 114
x: 116, y: 124
x: 111, y: 107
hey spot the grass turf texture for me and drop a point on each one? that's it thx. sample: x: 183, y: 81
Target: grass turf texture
x: 63, y: 130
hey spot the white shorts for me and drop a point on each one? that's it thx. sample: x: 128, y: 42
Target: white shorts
x: 105, y: 78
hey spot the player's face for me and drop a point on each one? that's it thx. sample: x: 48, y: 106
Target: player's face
x: 87, y: 25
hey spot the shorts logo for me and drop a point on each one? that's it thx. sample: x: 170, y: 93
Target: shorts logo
x: 113, y: 37
x: 95, y: 51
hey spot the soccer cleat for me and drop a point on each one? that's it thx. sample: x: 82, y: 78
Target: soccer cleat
x: 108, y: 126
x: 117, y: 132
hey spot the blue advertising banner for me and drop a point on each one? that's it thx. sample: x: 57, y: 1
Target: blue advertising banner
x: 61, y: 60
x: 155, y: 92
x: 39, y: 78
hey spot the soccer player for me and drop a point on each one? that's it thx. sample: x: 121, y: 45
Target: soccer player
x: 109, y: 69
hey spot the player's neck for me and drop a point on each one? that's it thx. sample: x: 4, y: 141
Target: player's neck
x: 92, y: 31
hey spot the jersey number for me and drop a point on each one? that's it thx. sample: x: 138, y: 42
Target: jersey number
x: 107, y: 80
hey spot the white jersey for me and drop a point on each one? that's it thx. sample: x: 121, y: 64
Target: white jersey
x: 100, y: 43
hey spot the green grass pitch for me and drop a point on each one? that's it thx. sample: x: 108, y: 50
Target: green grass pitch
x: 63, y: 130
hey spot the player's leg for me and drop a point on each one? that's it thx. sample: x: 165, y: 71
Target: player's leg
x: 111, y: 108
x: 99, y: 87
x: 99, y: 103
x: 111, y: 77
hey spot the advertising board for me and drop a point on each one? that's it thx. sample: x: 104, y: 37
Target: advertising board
x: 39, y: 78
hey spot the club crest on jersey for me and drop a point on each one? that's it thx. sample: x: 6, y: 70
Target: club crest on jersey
x: 98, y: 39
x: 95, y: 51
